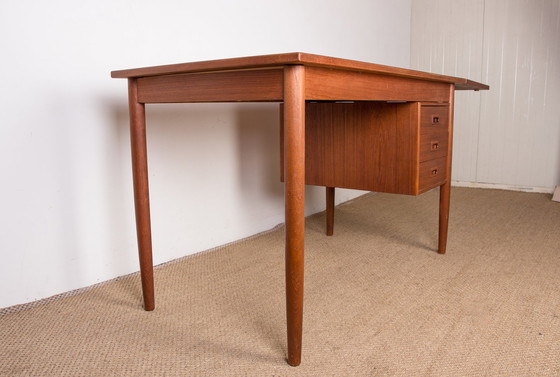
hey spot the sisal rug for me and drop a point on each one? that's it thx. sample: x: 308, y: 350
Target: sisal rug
x: 379, y: 301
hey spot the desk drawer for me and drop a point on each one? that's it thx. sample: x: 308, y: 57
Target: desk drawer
x: 432, y: 173
x: 433, y: 144
x: 434, y: 117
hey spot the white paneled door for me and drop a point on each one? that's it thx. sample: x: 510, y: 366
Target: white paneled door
x: 510, y: 135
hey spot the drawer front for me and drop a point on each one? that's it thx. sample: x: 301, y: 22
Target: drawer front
x: 433, y: 144
x: 432, y: 173
x: 434, y: 117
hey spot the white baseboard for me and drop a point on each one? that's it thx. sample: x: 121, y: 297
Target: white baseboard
x: 556, y: 195
x: 545, y: 190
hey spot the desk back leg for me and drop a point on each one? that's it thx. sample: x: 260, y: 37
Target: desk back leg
x: 330, y: 210
x: 444, y: 199
x: 141, y: 192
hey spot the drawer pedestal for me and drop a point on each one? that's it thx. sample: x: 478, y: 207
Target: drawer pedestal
x: 397, y: 148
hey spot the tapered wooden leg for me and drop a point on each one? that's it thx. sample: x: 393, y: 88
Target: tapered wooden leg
x: 141, y: 193
x: 330, y: 210
x: 445, y: 189
x: 444, y: 199
x: 294, y: 173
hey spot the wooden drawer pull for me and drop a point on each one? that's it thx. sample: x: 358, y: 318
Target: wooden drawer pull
x: 435, y: 119
x: 434, y: 172
x: 434, y: 145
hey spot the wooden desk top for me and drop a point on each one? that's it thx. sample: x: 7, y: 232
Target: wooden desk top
x: 295, y: 58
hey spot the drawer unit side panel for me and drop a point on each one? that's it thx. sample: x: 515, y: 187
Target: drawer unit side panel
x: 368, y: 146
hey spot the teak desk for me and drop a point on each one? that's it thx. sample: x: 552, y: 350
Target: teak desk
x: 345, y: 124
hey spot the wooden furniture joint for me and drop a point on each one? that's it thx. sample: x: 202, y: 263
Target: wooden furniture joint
x: 395, y: 135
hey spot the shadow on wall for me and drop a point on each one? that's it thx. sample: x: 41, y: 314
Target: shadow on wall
x: 199, y: 146
x: 120, y: 223
x: 258, y: 157
x: 214, y: 172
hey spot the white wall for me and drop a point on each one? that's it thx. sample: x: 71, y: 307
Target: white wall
x: 66, y: 209
x: 509, y: 136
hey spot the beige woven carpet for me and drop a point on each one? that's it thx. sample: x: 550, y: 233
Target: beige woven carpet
x: 379, y: 301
